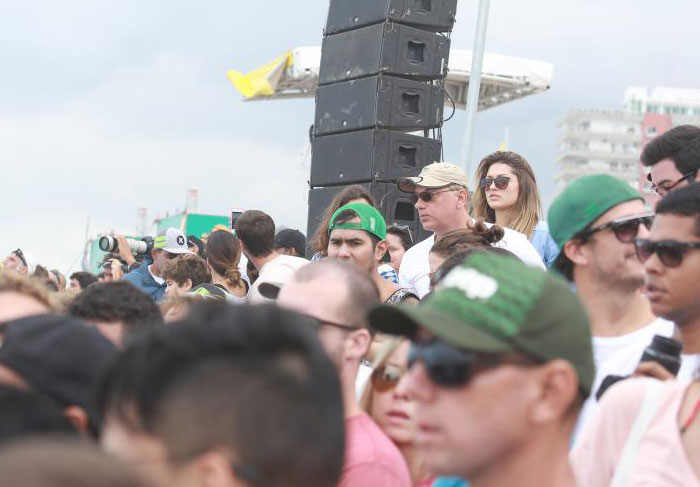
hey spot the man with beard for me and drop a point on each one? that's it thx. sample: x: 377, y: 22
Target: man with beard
x: 338, y: 296
x: 595, y: 222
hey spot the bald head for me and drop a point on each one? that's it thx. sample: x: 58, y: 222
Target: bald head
x: 331, y: 290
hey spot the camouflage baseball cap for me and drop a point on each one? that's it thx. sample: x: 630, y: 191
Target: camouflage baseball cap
x: 493, y: 304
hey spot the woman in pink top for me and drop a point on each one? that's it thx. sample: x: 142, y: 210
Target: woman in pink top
x: 668, y: 453
x: 392, y: 411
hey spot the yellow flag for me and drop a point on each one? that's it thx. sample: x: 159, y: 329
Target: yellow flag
x: 262, y: 81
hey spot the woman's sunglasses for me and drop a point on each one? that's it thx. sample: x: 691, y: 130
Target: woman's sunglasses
x: 625, y: 229
x: 501, y: 182
x: 669, y: 252
x: 386, y: 377
x: 449, y: 366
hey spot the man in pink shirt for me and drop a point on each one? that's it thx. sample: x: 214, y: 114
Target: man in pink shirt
x: 338, y: 295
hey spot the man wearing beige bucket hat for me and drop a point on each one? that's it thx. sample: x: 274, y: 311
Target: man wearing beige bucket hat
x: 441, y: 197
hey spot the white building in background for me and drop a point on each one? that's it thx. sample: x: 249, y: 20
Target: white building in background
x: 596, y: 141
x: 611, y: 141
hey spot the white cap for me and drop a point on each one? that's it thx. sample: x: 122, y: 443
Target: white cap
x: 174, y: 241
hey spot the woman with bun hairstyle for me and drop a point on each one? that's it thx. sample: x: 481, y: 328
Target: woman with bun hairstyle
x: 478, y: 235
x: 223, y: 256
x: 508, y: 195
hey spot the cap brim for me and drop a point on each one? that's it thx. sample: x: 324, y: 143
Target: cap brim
x: 408, y: 185
x: 269, y: 290
x: 406, y: 320
x: 178, y: 251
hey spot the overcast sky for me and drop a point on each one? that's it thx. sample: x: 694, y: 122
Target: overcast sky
x: 106, y: 106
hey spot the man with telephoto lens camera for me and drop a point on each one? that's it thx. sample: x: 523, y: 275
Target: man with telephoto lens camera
x: 149, y: 277
x: 595, y: 222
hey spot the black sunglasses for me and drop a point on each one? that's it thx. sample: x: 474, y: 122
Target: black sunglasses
x: 625, y: 229
x: 670, y: 252
x: 662, y: 190
x: 427, y: 196
x: 449, y: 366
x: 501, y: 182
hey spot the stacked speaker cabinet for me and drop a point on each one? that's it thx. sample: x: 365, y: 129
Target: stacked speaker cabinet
x: 380, y: 94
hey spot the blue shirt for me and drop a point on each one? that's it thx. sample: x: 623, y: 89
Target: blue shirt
x: 544, y: 244
x: 142, y: 279
x: 450, y: 482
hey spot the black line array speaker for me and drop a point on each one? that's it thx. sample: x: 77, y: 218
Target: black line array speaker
x: 370, y: 155
x: 380, y: 83
x: 433, y: 15
x: 388, y: 48
x: 378, y: 101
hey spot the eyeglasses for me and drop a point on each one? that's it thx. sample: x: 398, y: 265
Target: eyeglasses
x: 663, y: 190
x: 405, y: 229
x: 386, y: 377
x: 449, y: 366
x: 670, y: 252
x: 427, y: 196
x: 625, y: 229
x: 501, y: 182
x: 171, y: 256
x: 318, y: 322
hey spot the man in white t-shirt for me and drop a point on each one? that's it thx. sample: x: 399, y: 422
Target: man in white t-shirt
x: 595, y: 222
x: 671, y: 258
x: 442, y: 200
x: 256, y: 232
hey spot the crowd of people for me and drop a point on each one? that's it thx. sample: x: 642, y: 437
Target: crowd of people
x: 503, y: 350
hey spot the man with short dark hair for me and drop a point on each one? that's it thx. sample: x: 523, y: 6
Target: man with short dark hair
x: 499, y: 365
x: 117, y: 309
x: 149, y: 278
x: 671, y: 256
x: 357, y: 234
x: 79, y: 281
x: 256, y: 232
x: 291, y: 242
x: 595, y: 222
x: 442, y: 199
x: 230, y: 396
x: 673, y: 158
x: 338, y: 296
x: 185, y: 272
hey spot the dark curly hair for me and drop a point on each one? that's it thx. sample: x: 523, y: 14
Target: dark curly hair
x: 112, y: 302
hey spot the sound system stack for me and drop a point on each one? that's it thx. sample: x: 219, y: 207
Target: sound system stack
x: 380, y: 83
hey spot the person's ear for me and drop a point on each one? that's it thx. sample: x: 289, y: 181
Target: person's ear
x: 380, y: 249
x: 188, y: 284
x: 557, y: 391
x: 574, y: 250
x: 213, y: 469
x: 462, y: 198
x: 78, y: 418
x: 357, y: 344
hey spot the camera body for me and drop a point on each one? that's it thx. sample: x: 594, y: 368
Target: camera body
x: 662, y: 350
x: 138, y: 247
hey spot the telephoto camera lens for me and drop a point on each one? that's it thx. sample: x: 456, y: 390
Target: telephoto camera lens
x: 108, y: 244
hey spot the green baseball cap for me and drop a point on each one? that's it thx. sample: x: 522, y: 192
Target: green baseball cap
x: 495, y: 304
x: 583, y: 202
x: 371, y: 220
